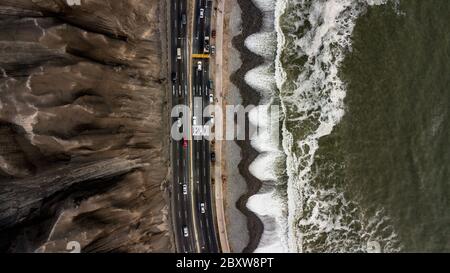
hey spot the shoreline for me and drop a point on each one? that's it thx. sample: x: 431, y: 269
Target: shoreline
x: 234, y: 183
x: 251, y: 23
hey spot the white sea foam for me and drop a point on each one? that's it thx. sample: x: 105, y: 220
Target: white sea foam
x: 318, y: 96
x: 270, y: 210
x: 267, y: 205
x: 262, y: 79
x: 265, y: 5
x: 266, y: 49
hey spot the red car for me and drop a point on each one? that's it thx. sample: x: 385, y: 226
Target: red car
x: 185, y: 143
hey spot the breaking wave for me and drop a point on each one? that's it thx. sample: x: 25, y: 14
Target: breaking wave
x: 312, y: 213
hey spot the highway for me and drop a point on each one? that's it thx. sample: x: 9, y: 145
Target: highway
x: 181, y: 213
x: 191, y: 195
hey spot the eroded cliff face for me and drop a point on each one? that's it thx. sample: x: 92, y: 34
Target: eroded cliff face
x: 83, y: 153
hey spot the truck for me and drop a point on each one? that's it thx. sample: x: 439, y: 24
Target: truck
x: 202, y: 208
x: 206, y: 45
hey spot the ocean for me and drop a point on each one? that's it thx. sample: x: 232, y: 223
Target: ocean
x: 364, y: 159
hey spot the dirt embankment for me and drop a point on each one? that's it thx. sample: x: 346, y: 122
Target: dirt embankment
x: 82, y: 108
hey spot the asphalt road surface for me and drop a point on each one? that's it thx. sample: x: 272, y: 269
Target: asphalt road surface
x: 192, y: 204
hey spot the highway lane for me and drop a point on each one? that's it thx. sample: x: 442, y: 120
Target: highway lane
x: 180, y: 201
x: 194, y: 225
x: 202, y: 146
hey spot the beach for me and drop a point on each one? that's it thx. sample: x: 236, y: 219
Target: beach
x: 241, y: 183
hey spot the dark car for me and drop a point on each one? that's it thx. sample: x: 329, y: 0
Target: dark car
x: 174, y: 77
x: 213, y: 157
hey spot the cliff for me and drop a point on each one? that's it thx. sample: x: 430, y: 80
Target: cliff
x: 82, y: 108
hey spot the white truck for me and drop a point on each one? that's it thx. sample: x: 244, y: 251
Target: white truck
x: 206, y: 45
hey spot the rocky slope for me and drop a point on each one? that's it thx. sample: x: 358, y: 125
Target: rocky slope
x: 82, y: 108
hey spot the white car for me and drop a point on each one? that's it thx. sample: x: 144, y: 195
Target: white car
x: 185, y: 231
x: 212, y: 120
x: 179, y: 122
x: 202, y: 13
x: 199, y: 66
x: 202, y: 208
x: 185, y: 189
x: 211, y: 98
x: 194, y: 120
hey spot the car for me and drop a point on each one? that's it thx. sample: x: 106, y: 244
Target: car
x: 179, y: 53
x: 194, y: 120
x: 213, y: 33
x: 174, y: 77
x: 185, y: 143
x: 206, y: 45
x: 213, y: 50
x: 179, y: 122
x: 202, y: 208
x: 199, y: 66
x: 185, y: 189
x: 211, y: 98
x: 185, y: 231
x: 212, y: 120
x: 202, y: 13
x: 213, y: 157
x: 183, y: 19
x: 180, y: 93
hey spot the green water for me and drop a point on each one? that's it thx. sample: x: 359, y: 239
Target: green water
x: 381, y: 175
x: 394, y: 140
